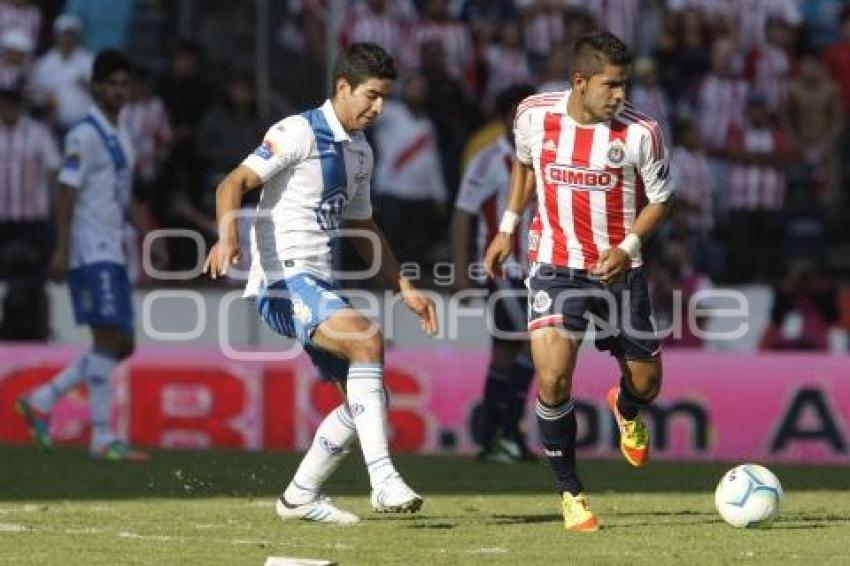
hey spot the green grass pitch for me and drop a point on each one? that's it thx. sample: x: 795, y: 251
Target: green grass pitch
x: 203, y: 508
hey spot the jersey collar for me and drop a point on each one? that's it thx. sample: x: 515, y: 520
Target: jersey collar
x: 336, y: 127
x: 101, y: 119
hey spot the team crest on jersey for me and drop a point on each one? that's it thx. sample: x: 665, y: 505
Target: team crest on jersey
x: 550, y: 145
x: 579, y: 178
x: 616, y: 153
x: 542, y: 302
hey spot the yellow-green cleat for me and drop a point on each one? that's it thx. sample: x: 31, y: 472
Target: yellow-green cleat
x: 578, y: 518
x: 634, y: 438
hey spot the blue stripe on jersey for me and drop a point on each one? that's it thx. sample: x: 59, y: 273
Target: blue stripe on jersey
x: 113, y: 145
x: 330, y: 153
x: 334, y: 179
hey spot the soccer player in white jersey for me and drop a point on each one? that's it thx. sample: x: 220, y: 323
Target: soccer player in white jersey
x: 315, y: 170
x: 483, y: 194
x: 592, y: 160
x: 94, y: 200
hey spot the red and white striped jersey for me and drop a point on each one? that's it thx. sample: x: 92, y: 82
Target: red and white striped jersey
x: 620, y: 17
x: 28, y: 158
x: 721, y: 103
x: 484, y: 192
x: 592, y: 180
x: 455, y: 38
x: 695, y: 186
x: 147, y: 123
x: 25, y: 18
x: 753, y: 186
x: 388, y: 29
x: 768, y: 68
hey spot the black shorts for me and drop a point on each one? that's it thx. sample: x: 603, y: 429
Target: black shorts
x: 507, y: 310
x: 621, y: 313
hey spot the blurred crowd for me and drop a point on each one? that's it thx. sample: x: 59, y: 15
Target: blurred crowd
x: 751, y: 95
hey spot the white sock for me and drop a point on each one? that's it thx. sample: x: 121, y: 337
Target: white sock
x: 45, y: 397
x: 368, y: 404
x: 332, y: 441
x: 99, y: 376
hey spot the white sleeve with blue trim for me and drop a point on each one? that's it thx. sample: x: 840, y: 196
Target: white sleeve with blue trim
x: 286, y: 143
x: 76, y: 157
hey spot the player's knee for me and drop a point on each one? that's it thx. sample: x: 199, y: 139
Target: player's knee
x: 366, y: 349
x: 553, y: 386
x: 648, y: 386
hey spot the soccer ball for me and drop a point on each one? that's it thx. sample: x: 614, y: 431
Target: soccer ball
x: 748, y: 496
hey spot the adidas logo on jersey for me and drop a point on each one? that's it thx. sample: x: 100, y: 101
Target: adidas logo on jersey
x: 550, y: 145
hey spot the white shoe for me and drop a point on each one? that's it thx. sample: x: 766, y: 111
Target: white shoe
x: 394, y: 496
x: 320, y: 510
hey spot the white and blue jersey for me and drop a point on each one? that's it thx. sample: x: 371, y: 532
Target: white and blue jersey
x: 315, y: 175
x: 98, y: 164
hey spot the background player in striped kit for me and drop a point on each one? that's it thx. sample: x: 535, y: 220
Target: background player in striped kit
x: 483, y: 194
x: 592, y: 159
x: 315, y: 169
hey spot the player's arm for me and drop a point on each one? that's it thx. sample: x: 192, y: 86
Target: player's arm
x: 389, y: 271
x: 140, y: 218
x: 285, y: 144
x: 64, y: 203
x: 72, y: 174
x: 228, y: 201
x: 521, y: 193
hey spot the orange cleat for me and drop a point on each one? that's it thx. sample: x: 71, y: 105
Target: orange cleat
x: 634, y: 438
x: 578, y: 518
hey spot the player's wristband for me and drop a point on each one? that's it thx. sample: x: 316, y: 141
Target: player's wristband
x: 630, y: 245
x: 510, y: 219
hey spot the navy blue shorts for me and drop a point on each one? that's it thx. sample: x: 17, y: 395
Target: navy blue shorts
x: 621, y: 313
x: 100, y: 293
x: 294, y: 307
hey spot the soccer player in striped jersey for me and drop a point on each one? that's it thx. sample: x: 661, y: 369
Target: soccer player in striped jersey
x: 315, y: 169
x: 593, y: 160
x: 483, y: 194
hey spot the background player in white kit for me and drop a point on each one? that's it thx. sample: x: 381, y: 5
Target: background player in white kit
x: 483, y: 194
x: 315, y: 169
x: 593, y: 159
x: 94, y: 201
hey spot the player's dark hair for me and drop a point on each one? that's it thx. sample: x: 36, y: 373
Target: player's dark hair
x: 108, y: 62
x: 361, y: 62
x: 595, y: 48
x: 508, y: 99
